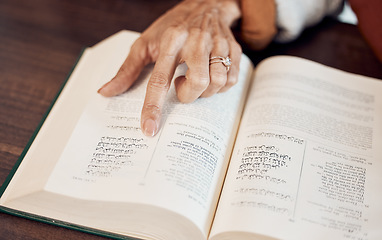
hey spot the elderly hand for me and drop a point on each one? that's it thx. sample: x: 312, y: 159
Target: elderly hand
x: 191, y: 32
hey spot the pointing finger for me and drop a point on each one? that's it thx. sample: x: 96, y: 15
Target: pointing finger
x: 160, y: 79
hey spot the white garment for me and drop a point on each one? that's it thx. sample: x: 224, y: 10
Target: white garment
x: 295, y: 15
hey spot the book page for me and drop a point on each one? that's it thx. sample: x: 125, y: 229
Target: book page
x: 107, y: 158
x: 306, y: 161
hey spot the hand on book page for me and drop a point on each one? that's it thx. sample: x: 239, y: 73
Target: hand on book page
x: 197, y: 33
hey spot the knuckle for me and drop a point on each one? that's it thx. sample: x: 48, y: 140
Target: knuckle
x: 199, y: 41
x: 200, y: 85
x: 198, y: 82
x: 174, y: 32
x: 158, y: 80
x: 151, y: 109
x: 219, y: 79
x: 140, y: 42
x: 231, y: 81
x: 140, y: 50
x: 173, y: 38
x: 219, y: 40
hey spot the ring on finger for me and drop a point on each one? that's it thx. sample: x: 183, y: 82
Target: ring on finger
x: 226, y: 61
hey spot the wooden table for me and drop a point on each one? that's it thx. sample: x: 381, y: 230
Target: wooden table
x: 40, y: 41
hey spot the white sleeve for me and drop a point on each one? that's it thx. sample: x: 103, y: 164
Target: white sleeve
x: 295, y: 15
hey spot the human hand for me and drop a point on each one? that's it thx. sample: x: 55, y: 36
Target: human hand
x: 258, y: 26
x: 191, y: 32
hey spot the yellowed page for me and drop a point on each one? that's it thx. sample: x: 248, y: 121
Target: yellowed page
x: 166, y: 186
x: 306, y: 164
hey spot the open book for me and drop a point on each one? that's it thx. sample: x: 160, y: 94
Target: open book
x: 292, y: 151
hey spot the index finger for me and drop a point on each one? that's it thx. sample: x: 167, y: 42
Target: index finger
x: 160, y: 80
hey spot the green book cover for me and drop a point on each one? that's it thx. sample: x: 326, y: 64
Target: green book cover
x: 20, y: 159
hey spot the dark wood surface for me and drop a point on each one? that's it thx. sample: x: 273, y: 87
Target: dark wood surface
x: 40, y: 41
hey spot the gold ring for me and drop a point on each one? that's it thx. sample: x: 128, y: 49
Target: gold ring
x: 226, y: 61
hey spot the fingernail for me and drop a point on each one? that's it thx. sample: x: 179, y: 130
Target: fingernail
x: 100, y: 91
x: 149, y: 127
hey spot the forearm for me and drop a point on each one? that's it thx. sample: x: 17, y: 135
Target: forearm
x: 258, y: 25
x: 293, y: 16
x: 264, y: 21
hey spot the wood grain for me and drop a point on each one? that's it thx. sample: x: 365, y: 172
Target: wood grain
x: 40, y: 41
